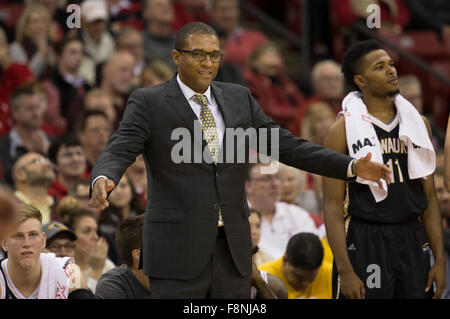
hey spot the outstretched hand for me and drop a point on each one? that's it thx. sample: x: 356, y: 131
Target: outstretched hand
x: 372, y: 171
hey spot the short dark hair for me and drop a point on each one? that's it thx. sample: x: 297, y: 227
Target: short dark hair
x: 66, y: 140
x: 189, y: 29
x: 61, y: 45
x: 84, y: 116
x: 255, y: 211
x: 352, y: 60
x: 305, y: 251
x: 28, y: 89
x: 129, y: 237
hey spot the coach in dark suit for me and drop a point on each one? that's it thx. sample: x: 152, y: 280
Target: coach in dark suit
x: 197, y: 240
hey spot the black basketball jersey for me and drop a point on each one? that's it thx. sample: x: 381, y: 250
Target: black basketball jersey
x: 406, y: 197
x: 8, y: 293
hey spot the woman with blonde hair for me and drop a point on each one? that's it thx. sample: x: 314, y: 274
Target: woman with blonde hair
x: 33, y: 43
x: 317, y: 122
x: 155, y: 72
x: 314, y: 127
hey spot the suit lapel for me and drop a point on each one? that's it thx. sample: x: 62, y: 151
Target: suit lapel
x: 176, y: 99
x: 181, y: 106
x: 229, y: 117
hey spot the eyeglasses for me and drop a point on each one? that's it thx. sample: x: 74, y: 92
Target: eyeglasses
x: 57, y: 247
x: 200, y: 55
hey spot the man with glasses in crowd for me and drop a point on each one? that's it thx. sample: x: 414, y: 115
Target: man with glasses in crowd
x: 32, y: 175
x: 280, y: 220
x: 60, y: 239
x: 196, y: 239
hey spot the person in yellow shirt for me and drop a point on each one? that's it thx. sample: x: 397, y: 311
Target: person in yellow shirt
x: 303, y: 269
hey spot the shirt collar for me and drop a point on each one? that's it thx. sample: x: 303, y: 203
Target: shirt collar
x: 75, y: 81
x: 236, y: 34
x: 24, y: 198
x: 189, y: 93
x: 16, y: 141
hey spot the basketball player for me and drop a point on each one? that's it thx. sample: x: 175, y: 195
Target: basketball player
x: 382, y: 249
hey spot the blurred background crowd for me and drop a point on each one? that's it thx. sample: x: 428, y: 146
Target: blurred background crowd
x: 63, y: 92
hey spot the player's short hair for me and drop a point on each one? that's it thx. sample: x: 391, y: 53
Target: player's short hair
x: 305, y: 251
x: 352, y: 61
x: 129, y: 237
x: 25, y: 212
x: 183, y: 34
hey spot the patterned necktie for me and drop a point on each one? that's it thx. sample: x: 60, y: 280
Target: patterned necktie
x: 208, y: 126
x: 210, y: 132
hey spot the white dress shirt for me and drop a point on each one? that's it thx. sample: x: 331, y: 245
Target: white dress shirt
x: 288, y: 220
x: 189, y: 95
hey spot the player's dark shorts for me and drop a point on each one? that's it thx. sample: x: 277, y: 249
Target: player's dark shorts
x: 392, y: 260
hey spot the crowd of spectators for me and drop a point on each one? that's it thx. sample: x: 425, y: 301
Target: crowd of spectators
x: 63, y: 92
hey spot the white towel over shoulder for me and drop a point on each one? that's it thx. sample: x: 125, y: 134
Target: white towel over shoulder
x: 362, y: 139
x: 55, y: 277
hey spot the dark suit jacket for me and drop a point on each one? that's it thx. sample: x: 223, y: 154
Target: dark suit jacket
x: 181, y: 217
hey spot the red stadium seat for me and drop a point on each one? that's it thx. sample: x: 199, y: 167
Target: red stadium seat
x: 424, y: 44
x: 442, y: 67
x: 440, y: 92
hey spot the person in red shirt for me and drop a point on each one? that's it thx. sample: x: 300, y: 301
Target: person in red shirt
x: 125, y: 14
x: 277, y: 95
x: 187, y: 11
x: 12, y: 75
x: 394, y: 14
x: 241, y: 42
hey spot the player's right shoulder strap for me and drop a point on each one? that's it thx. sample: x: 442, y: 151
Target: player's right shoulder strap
x: 2, y: 282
